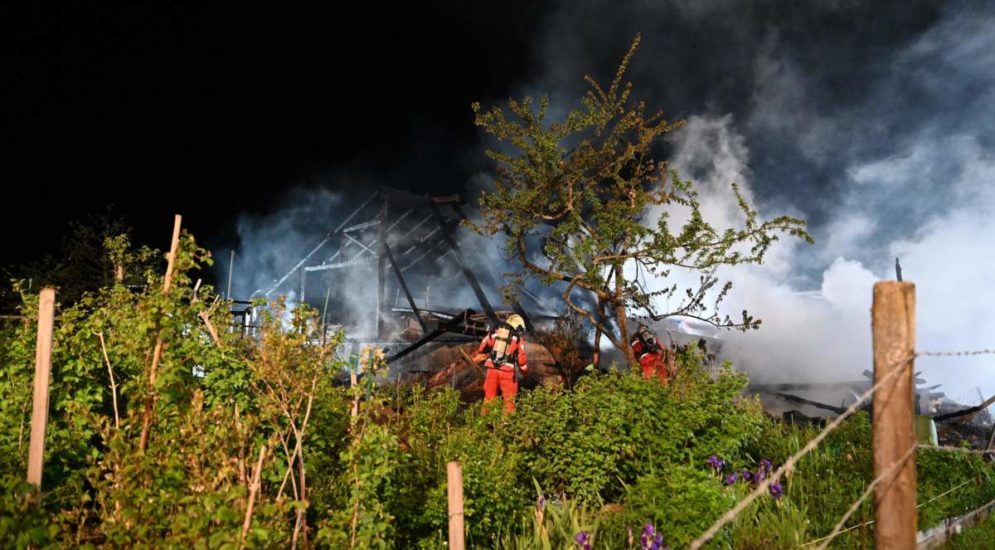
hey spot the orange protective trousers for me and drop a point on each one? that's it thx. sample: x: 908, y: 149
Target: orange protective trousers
x: 653, y: 364
x: 505, y: 380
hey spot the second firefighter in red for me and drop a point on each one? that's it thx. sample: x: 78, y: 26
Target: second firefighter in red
x: 652, y: 357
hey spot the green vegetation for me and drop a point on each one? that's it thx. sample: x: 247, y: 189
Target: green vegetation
x: 602, y: 460
x: 979, y: 537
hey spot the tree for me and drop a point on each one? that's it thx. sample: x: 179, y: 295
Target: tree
x: 574, y: 199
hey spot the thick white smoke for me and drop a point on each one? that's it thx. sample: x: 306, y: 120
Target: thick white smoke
x: 878, y: 132
x: 927, y: 198
x: 272, y: 245
x: 807, y: 335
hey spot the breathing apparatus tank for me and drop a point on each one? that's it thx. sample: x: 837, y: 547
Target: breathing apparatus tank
x: 510, y: 328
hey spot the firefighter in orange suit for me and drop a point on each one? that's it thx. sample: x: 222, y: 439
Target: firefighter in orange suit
x: 652, y: 357
x: 504, y: 352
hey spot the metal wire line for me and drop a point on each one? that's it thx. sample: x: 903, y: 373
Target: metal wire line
x: 853, y: 508
x: 837, y: 529
x: 957, y: 449
x: 901, y: 365
x: 920, y: 505
x: 964, y: 353
x: 867, y: 492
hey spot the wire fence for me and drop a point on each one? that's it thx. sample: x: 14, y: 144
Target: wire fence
x: 957, y: 449
x: 866, y: 523
x: 896, y: 368
x: 764, y: 486
x: 897, y: 465
x: 955, y: 353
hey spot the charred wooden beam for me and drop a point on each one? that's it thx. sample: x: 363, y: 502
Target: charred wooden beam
x: 321, y: 244
x: 467, y: 273
x: 965, y: 412
x: 802, y: 400
x: 810, y: 386
x: 340, y: 265
x: 382, y: 270
x: 404, y: 287
x: 516, y: 306
x: 456, y: 324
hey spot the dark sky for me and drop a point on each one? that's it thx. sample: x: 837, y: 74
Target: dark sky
x: 215, y: 110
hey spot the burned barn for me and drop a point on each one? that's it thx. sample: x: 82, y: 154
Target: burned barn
x: 401, y: 272
x: 940, y: 420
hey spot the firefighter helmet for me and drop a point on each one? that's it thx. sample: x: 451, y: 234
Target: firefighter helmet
x: 516, y: 322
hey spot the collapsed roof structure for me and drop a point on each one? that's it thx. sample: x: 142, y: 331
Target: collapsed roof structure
x: 955, y: 422
x: 414, y: 268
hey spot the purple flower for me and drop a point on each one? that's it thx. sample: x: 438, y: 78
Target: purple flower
x: 760, y: 475
x: 644, y: 539
x: 716, y: 463
x: 541, y: 502
x: 766, y: 466
x: 746, y: 475
x: 650, y: 539
x: 776, y: 490
x: 730, y: 479
x: 583, y: 540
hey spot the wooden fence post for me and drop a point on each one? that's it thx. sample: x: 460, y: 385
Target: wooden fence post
x: 43, y: 366
x: 893, y: 320
x: 454, y: 485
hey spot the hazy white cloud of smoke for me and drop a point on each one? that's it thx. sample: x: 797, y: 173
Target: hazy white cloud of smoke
x: 926, y: 198
x: 816, y: 335
x: 271, y: 245
x: 886, y: 146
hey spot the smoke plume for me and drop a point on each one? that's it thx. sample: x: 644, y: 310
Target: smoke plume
x: 872, y: 121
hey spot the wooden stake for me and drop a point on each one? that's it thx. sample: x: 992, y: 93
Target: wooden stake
x: 43, y: 366
x: 174, y: 246
x: 167, y: 282
x: 893, y: 320
x: 454, y: 485
x: 253, y: 489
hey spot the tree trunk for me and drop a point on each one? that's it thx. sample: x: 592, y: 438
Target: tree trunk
x: 620, y: 318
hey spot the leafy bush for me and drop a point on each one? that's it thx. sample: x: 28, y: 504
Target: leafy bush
x: 681, y: 502
x: 366, y: 466
x: 22, y: 524
x: 612, y: 429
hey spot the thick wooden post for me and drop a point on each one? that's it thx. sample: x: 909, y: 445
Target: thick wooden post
x: 43, y: 366
x: 893, y: 319
x: 454, y: 485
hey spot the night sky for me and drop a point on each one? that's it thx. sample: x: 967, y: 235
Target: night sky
x: 214, y: 111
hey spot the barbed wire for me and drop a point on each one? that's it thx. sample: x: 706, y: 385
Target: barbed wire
x: 815, y: 441
x: 943, y: 494
x: 898, y: 464
x: 869, y: 522
x: 963, y: 353
x: 948, y: 448
x: 901, y: 365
